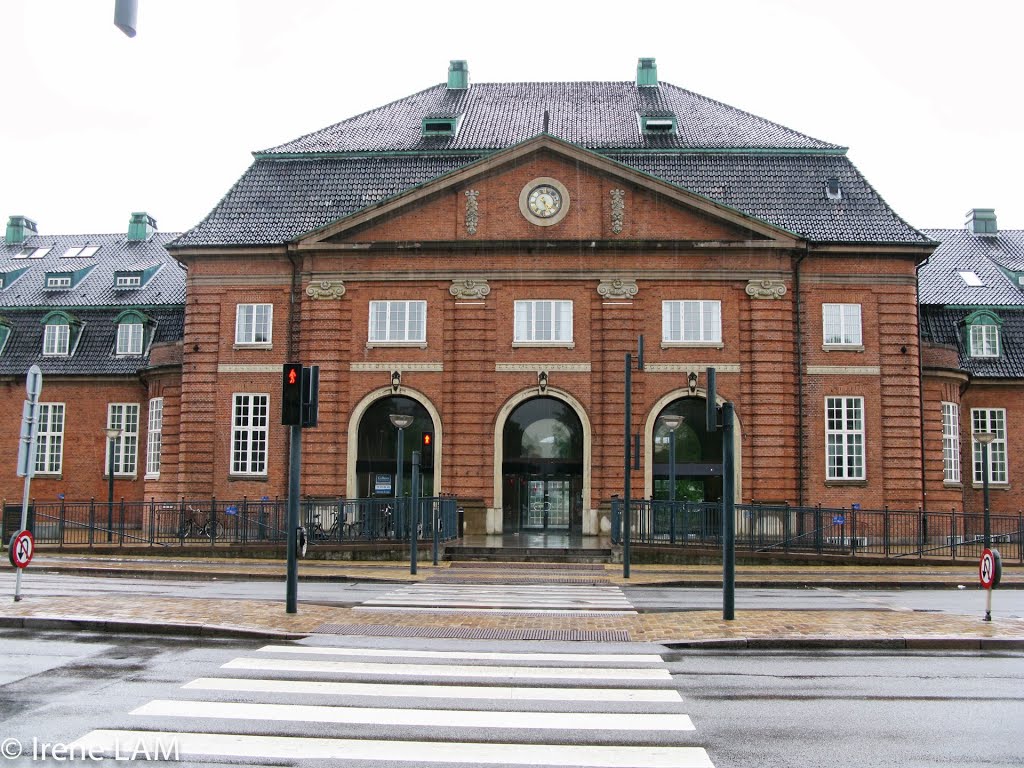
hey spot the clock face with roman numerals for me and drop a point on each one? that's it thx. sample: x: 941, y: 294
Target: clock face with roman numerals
x: 544, y: 201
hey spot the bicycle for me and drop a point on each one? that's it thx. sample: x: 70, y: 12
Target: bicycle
x: 202, y: 528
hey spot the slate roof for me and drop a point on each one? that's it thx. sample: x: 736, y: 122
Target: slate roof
x: 593, y: 115
x: 960, y: 250
x: 94, y: 302
x: 753, y: 165
x: 945, y: 326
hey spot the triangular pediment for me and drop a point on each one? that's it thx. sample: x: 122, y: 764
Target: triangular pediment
x: 577, y: 196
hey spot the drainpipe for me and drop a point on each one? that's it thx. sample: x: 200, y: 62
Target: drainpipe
x: 920, y: 399
x: 799, y: 376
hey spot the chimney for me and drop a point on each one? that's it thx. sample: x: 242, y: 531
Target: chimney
x: 458, y: 75
x: 141, y: 227
x: 982, y: 221
x: 20, y: 229
x: 646, y: 73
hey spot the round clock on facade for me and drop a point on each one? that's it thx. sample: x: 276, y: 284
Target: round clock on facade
x: 544, y: 201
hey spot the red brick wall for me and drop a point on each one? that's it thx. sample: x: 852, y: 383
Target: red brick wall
x: 1005, y: 499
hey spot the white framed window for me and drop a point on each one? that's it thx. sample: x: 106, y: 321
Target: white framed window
x: 56, y: 339
x: 844, y: 438
x: 129, y: 339
x: 125, y: 417
x: 254, y: 323
x: 49, y: 438
x: 128, y: 281
x: 154, y: 437
x: 398, y: 321
x: 951, y: 442
x: 990, y: 420
x: 841, y: 325
x: 249, y: 434
x: 543, y: 321
x: 984, y: 340
x: 58, y: 282
x: 694, y: 322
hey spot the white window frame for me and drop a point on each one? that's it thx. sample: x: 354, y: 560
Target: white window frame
x: 56, y: 339
x: 128, y: 281
x: 950, y: 442
x: 129, y: 338
x: 990, y: 420
x: 984, y: 340
x: 691, y: 322
x: 842, y: 322
x: 50, y: 420
x: 254, y: 325
x: 58, y: 282
x: 125, y: 417
x: 844, y: 443
x: 397, y: 322
x: 250, y: 419
x: 543, y: 322
x: 154, y: 437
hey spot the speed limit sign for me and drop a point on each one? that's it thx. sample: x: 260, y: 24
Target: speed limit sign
x: 21, y: 549
x: 990, y: 569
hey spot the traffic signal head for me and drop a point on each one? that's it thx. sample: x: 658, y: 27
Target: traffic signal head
x: 291, y: 394
x: 427, y: 450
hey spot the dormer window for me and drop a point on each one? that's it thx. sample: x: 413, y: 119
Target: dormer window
x: 58, y: 281
x: 128, y: 280
x: 132, y: 329
x: 61, y: 334
x: 439, y: 126
x: 983, y: 334
x: 79, y: 251
x: 658, y: 125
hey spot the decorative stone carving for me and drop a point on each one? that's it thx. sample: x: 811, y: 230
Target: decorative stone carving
x: 326, y: 289
x: 618, y: 209
x: 472, y: 211
x: 766, y: 289
x: 469, y: 289
x: 618, y: 289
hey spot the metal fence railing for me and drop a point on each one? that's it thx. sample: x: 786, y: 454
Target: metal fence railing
x: 213, y: 521
x: 822, y: 530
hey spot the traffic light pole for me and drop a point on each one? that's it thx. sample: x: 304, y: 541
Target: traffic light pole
x: 294, y: 469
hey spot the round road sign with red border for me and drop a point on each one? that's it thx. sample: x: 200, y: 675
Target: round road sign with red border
x: 989, y: 568
x: 22, y: 548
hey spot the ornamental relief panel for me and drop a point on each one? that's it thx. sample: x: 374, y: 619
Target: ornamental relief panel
x: 469, y: 289
x: 766, y: 289
x: 617, y: 289
x: 326, y: 289
x: 472, y: 211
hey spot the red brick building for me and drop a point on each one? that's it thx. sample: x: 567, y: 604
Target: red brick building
x: 483, y: 257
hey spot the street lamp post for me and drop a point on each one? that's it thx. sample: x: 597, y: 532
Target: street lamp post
x: 985, y: 438
x: 672, y: 422
x: 112, y: 435
x: 401, y: 421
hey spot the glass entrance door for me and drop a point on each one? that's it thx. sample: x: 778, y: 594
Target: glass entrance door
x: 547, y: 504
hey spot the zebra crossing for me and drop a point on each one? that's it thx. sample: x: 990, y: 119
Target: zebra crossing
x: 443, y: 704
x: 591, y: 599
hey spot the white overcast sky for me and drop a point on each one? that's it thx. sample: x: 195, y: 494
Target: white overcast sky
x: 927, y: 95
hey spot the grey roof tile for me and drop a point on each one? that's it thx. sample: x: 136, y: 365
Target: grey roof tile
x: 594, y: 115
x: 960, y: 250
x: 945, y: 326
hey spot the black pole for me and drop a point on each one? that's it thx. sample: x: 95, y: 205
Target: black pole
x: 728, y: 515
x: 984, y: 485
x: 628, y: 466
x: 435, y: 521
x: 294, y: 469
x: 414, y: 512
x: 110, y: 492
x: 672, y: 469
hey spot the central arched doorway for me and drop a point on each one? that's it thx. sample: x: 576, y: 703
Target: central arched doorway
x: 542, y: 467
x: 698, y: 454
x: 376, y: 460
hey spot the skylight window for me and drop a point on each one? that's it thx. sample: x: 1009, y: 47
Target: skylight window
x: 440, y: 126
x: 971, y: 279
x: 32, y: 253
x: 80, y: 251
x: 660, y: 125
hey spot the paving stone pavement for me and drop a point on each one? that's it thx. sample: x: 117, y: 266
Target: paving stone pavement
x: 750, y: 628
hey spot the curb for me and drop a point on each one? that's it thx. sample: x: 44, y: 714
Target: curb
x: 127, y: 626
x: 850, y: 643
x: 185, y: 575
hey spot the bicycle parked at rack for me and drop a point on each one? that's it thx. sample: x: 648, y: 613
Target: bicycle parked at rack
x: 198, y: 524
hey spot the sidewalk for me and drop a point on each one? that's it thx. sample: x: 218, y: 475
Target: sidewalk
x: 751, y: 629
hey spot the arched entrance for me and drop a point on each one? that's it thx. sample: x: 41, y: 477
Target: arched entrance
x: 377, y: 448
x: 698, y: 454
x: 542, y: 467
